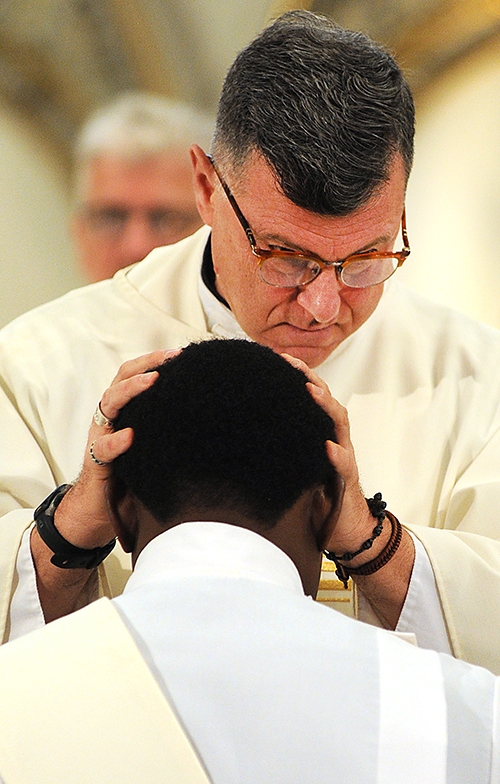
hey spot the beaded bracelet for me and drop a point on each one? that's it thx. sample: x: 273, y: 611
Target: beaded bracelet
x: 344, y: 572
x: 377, y: 508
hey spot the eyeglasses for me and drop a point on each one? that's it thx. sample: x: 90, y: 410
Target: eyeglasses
x: 288, y: 269
x: 111, y: 222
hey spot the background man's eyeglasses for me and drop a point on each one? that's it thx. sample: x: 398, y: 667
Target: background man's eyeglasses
x: 288, y: 269
x: 111, y: 222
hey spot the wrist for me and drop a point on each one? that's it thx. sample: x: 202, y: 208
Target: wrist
x: 82, y: 522
x: 373, y: 510
x: 375, y: 551
x: 66, y: 555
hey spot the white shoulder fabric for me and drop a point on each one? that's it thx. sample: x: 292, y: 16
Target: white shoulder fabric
x: 79, y: 704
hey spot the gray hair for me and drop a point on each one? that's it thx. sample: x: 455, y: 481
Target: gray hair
x: 140, y: 124
x: 327, y: 108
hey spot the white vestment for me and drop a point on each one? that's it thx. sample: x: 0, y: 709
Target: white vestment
x: 421, y: 384
x: 269, y: 685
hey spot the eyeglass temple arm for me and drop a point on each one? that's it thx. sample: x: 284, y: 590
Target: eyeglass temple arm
x: 406, y: 243
x: 232, y: 201
x: 248, y: 231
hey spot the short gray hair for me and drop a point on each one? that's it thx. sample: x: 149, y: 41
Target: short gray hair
x: 327, y: 108
x: 138, y: 124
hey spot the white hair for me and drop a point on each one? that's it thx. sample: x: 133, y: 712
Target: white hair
x: 139, y: 124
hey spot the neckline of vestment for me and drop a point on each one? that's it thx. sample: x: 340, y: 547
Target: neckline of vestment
x: 213, y: 549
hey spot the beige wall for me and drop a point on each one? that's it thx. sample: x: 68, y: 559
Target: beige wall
x: 453, y: 201
x: 36, y: 258
x: 454, y: 191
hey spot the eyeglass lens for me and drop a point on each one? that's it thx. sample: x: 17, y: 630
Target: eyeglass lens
x: 287, y: 272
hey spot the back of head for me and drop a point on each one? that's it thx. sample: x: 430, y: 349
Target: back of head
x: 228, y: 424
x: 138, y: 124
x: 326, y: 107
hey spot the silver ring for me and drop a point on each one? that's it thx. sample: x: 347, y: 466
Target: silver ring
x: 94, y: 458
x: 100, y: 418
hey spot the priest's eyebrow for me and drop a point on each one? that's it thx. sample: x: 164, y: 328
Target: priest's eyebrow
x: 283, y: 243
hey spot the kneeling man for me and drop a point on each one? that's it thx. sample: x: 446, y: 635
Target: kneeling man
x: 226, y: 499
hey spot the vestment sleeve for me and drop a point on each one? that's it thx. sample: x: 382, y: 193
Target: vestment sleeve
x: 12, y: 527
x: 464, y: 550
x: 467, y: 571
x: 422, y: 614
x: 26, y: 478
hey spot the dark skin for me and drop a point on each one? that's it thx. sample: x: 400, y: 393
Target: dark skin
x: 302, y: 532
x: 84, y: 517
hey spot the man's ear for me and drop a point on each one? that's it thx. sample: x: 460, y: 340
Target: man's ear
x: 203, y: 183
x: 123, y: 513
x: 328, y: 505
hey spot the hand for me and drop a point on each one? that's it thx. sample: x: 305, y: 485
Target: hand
x: 386, y: 589
x: 83, y: 516
x: 355, y: 522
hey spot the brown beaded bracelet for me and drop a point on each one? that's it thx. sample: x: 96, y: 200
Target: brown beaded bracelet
x: 377, y: 507
x: 344, y: 572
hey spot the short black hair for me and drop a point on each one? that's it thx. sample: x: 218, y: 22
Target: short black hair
x: 327, y: 108
x: 228, y: 423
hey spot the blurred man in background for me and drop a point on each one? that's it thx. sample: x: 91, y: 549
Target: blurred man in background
x: 133, y: 181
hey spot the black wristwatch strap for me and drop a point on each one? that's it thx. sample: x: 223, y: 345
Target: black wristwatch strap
x: 66, y: 555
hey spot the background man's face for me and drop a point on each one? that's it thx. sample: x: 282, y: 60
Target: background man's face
x: 130, y: 207
x: 310, y: 321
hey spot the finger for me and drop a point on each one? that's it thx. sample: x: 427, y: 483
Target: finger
x: 311, y: 375
x: 335, y: 411
x: 321, y: 392
x: 342, y: 461
x: 143, y: 363
x: 122, y: 392
x: 106, y: 449
x: 100, y: 419
x: 319, y: 388
x: 93, y: 457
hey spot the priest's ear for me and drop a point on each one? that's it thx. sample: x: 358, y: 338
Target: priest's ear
x: 204, y: 183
